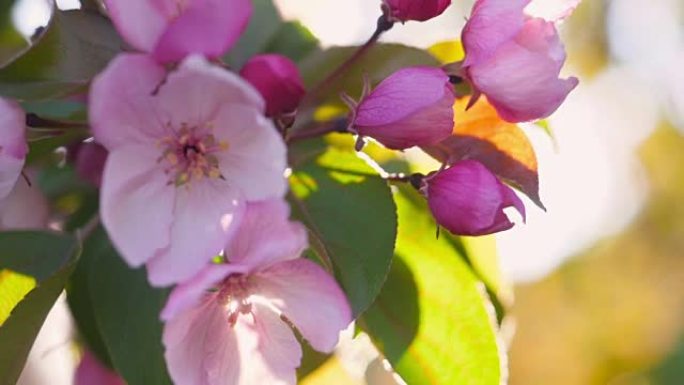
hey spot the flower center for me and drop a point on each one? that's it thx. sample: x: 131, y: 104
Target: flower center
x: 234, y: 296
x: 190, y: 155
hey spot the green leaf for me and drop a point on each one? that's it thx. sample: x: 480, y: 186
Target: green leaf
x: 74, y: 48
x: 126, y: 310
x: 27, y: 258
x: 432, y: 319
x: 262, y: 28
x: 293, y: 40
x: 351, y: 216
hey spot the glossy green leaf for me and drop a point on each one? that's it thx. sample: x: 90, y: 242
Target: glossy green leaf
x: 74, y: 48
x: 126, y: 310
x: 293, y: 40
x: 263, y: 25
x: 432, y: 319
x: 46, y: 258
x: 351, y: 216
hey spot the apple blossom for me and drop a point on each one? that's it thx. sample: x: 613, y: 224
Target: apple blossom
x: 412, y: 107
x: 13, y: 147
x: 25, y: 207
x: 174, y: 29
x: 277, y: 79
x: 186, y: 149
x: 91, y: 372
x: 515, y: 59
x: 224, y: 326
x: 467, y: 199
x: 418, y: 10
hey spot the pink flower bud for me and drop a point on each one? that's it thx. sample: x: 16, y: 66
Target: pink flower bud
x: 418, y: 10
x: 515, y: 59
x: 90, y: 162
x: 13, y: 147
x: 412, y: 107
x: 91, y: 372
x: 467, y: 199
x: 277, y: 79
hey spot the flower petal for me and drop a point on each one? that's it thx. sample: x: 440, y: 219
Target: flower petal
x: 204, y: 219
x: 266, y: 236
x: 255, y: 161
x: 298, y: 286
x: 140, y: 22
x: 122, y: 107
x: 535, y: 92
x: 13, y: 147
x: 24, y: 208
x: 269, y: 351
x: 136, y: 203
x: 201, y: 344
x: 189, y: 293
x: 492, y: 23
x: 196, y: 91
x: 207, y: 27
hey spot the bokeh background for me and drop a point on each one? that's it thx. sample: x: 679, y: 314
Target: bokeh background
x: 598, y: 278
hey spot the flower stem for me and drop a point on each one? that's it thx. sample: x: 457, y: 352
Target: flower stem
x: 337, y: 125
x: 384, y: 24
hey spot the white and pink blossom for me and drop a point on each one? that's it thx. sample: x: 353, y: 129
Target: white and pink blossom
x: 13, y: 147
x: 186, y: 150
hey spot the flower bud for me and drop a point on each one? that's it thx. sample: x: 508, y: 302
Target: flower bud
x: 91, y: 372
x: 516, y: 60
x: 467, y: 199
x: 277, y: 79
x: 13, y: 147
x: 412, y: 107
x: 418, y: 10
x: 90, y: 162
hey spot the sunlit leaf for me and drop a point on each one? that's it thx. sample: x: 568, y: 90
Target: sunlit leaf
x: 502, y: 147
x: 432, y: 319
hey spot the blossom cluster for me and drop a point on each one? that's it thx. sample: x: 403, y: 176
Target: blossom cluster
x: 191, y: 161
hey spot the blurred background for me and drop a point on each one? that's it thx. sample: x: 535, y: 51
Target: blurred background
x: 598, y: 278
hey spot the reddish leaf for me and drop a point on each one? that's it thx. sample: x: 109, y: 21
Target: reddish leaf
x: 480, y: 134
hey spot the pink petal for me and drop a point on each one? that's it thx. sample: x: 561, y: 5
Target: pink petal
x: 269, y: 351
x: 91, y: 372
x: 201, y: 344
x: 204, y: 219
x: 196, y: 92
x: 402, y: 94
x: 532, y: 93
x: 90, y: 160
x: 122, y: 107
x: 310, y: 298
x: 266, y: 236
x: 207, y: 27
x: 13, y: 147
x: 136, y: 203
x: 492, y: 23
x: 255, y: 161
x: 140, y: 22
x: 467, y: 199
x: 24, y: 208
x: 189, y: 293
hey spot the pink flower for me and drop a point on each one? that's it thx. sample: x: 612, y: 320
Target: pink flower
x: 515, y: 59
x: 418, y: 10
x: 225, y: 325
x: 91, y: 372
x: 186, y: 149
x: 13, y: 147
x: 412, y: 107
x: 467, y: 199
x: 277, y: 79
x: 25, y: 207
x: 174, y: 29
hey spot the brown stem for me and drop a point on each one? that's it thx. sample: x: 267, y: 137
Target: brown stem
x: 33, y: 120
x: 384, y: 24
x: 338, y: 125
